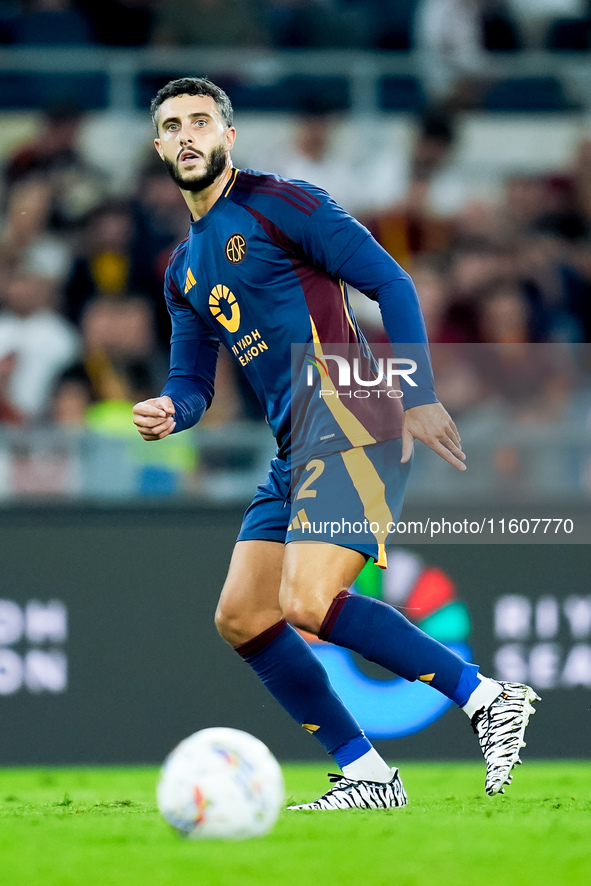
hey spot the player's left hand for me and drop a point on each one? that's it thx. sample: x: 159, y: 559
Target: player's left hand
x: 432, y: 424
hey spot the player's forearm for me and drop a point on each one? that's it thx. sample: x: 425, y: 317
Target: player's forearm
x: 404, y: 325
x: 395, y: 293
x: 190, y: 383
x: 382, y: 279
x: 188, y: 407
x: 401, y: 311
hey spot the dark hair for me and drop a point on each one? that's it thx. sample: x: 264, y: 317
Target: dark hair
x: 193, y: 86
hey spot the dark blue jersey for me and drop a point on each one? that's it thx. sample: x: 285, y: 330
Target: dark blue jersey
x: 265, y: 268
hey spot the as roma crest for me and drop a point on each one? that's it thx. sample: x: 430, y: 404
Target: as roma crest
x: 236, y: 248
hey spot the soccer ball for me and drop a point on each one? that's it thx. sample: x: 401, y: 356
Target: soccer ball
x: 221, y: 783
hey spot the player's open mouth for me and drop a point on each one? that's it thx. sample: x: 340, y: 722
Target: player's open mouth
x: 189, y: 157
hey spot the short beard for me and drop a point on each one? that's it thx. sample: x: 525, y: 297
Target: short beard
x: 215, y: 165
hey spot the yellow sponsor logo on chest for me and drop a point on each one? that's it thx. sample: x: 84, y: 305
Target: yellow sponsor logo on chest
x: 224, y: 307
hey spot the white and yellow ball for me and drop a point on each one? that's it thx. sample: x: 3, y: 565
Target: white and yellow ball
x: 221, y: 783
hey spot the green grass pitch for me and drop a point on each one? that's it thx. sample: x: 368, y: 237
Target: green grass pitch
x: 100, y: 827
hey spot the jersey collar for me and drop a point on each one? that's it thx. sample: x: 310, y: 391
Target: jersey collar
x: 202, y: 223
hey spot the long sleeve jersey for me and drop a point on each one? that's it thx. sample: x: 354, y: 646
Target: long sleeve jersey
x: 265, y: 273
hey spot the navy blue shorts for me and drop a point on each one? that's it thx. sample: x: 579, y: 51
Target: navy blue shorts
x: 351, y: 499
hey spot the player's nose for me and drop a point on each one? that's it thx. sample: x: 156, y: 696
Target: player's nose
x: 186, y: 136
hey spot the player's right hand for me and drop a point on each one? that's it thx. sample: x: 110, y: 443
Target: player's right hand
x: 154, y: 418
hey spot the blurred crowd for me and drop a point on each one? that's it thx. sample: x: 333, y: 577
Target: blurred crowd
x: 83, y: 327
x: 458, y: 30
x: 504, y: 283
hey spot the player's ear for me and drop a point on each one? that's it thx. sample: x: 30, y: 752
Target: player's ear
x: 158, y: 147
x: 230, y: 137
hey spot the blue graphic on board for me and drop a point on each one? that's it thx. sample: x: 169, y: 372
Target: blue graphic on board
x: 427, y: 596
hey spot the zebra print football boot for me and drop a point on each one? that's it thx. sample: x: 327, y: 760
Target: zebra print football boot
x: 349, y: 794
x: 500, y: 729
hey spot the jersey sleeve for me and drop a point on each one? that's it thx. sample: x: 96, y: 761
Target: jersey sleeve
x: 187, y: 325
x: 345, y: 248
x: 193, y: 358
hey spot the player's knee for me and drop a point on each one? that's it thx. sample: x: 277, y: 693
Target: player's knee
x: 229, y: 624
x: 300, y: 613
x: 238, y: 626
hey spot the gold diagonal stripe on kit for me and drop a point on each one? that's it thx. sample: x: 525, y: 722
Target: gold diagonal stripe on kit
x: 372, y: 492
x: 348, y: 315
x: 355, y: 432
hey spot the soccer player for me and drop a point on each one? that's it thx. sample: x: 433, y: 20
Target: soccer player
x: 265, y: 265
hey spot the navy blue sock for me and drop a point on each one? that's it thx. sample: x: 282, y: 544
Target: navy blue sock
x: 467, y: 684
x: 352, y: 750
x: 294, y: 676
x: 381, y: 634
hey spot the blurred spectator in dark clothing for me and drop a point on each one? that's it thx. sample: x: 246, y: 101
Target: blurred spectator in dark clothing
x: 542, y: 216
x: 161, y: 221
x: 26, y: 216
x: 119, y: 366
x: 475, y: 263
x: 309, y: 24
x: 53, y: 157
x: 580, y: 175
x: 51, y: 23
x: 556, y: 284
x: 391, y: 23
x: 406, y: 232
x: 119, y: 343
x: 504, y: 314
x: 104, y: 265
x: 480, y: 220
x: 474, y: 266
x: 121, y: 22
x: 116, y: 360
x: 570, y: 34
x: 25, y: 239
x: 432, y: 146
x: 534, y: 381
x: 72, y: 395
x: 525, y: 201
x: 208, y: 23
x: 54, y: 147
x: 495, y: 28
x: 430, y: 281
x: 10, y: 414
x: 9, y: 11
x: 500, y: 31
x: 455, y: 37
x: 531, y: 197
x: 416, y: 225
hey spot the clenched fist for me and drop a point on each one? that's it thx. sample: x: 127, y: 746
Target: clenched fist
x: 154, y: 418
